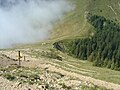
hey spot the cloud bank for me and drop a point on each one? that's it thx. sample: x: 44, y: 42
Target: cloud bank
x: 29, y: 21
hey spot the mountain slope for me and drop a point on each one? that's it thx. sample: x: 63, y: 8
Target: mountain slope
x: 74, y: 23
x: 102, y: 47
x: 107, y: 8
x: 75, y: 26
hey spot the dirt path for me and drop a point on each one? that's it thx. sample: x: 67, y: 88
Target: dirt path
x: 42, y: 63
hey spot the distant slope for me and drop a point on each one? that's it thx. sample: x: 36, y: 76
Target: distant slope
x: 108, y: 8
x: 74, y: 23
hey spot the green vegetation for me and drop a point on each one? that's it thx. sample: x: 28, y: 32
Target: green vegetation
x: 36, y: 76
x: 51, y: 54
x: 107, y: 8
x: 74, y: 24
x: 65, y: 86
x: 9, y: 77
x: 102, y: 47
x: 83, y: 67
x: 23, y: 75
x: 92, y: 88
x: 74, y: 28
x: 105, y: 17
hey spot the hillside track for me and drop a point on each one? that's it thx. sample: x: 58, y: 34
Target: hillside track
x: 45, y: 64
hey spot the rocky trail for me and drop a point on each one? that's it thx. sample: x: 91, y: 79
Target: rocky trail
x: 44, y: 64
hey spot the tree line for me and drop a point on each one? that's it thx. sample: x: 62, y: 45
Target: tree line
x: 103, y: 48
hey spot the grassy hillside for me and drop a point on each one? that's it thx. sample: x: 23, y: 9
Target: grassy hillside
x: 74, y: 23
x: 108, y: 8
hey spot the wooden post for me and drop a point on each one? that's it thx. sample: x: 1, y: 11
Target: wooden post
x: 24, y: 58
x: 19, y: 58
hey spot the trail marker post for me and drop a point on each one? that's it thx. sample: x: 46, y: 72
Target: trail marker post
x: 19, y: 58
x: 24, y: 58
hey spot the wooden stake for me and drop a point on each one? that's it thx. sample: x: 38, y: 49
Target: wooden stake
x: 19, y: 58
x: 24, y: 58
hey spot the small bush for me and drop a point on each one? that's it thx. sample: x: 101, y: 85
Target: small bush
x: 9, y: 77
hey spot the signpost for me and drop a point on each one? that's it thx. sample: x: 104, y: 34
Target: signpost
x: 19, y: 56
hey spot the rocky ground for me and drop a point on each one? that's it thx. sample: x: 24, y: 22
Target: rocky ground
x: 36, y: 79
x: 40, y: 74
x: 13, y: 77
